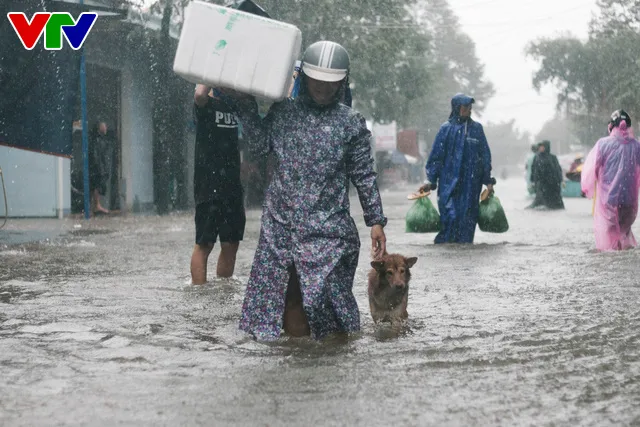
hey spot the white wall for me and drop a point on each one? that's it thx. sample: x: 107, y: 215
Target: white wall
x: 31, y: 181
x: 137, y: 137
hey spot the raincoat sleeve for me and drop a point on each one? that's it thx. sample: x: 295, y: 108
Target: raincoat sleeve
x: 486, y: 158
x: 436, y: 158
x: 361, y: 173
x: 256, y: 130
x: 559, y: 173
x: 589, y: 174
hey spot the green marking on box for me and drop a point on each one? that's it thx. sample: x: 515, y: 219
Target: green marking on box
x: 232, y: 22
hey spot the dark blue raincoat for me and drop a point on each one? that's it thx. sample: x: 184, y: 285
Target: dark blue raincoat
x: 459, y: 164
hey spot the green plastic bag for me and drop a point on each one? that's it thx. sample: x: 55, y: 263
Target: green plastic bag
x: 422, y: 217
x: 492, y: 218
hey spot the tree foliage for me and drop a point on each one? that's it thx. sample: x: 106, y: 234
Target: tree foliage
x: 388, y: 50
x: 508, y: 145
x: 596, y: 76
x: 453, y: 65
x: 409, y: 57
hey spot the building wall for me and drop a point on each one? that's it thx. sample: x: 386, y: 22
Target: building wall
x: 190, y: 143
x: 113, y: 46
x: 32, y: 183
x: 137, y: 138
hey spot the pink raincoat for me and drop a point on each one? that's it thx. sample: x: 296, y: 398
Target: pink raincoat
x: 611, y: 173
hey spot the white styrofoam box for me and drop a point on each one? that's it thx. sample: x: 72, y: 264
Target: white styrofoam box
x: 225, y: 47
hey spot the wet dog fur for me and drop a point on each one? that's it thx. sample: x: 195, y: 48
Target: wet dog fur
x: 389, y: 288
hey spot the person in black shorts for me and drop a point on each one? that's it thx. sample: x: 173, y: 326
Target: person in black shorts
x: 217, y: 187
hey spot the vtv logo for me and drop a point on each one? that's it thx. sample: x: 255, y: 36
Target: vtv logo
x: 54, y: 26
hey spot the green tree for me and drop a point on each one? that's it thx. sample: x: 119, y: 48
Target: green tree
x: 561, y: 131
x: 409, y: 57
x: 616, y: 15
x: 388, y: 50
x: 596, y: 76
x: 508, y: 145
x: 453, y: 66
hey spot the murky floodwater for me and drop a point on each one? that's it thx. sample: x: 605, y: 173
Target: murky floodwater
x: 99, y: 326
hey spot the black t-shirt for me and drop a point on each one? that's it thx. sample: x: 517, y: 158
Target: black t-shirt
x: 217, y: 159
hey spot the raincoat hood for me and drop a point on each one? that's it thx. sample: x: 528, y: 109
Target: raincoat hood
x: 458, y: 101
x: 623, y: 134
x: 547, y: 146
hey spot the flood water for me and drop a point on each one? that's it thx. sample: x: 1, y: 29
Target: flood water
x: 100, y: 326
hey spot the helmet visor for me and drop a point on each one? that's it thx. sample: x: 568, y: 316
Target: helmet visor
x: 323, y: 74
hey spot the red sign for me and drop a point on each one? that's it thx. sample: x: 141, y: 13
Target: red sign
x: 408, y: 142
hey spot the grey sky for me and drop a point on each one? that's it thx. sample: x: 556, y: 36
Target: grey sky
x: 501, y: 29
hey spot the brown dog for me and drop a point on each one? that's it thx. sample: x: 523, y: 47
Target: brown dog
x: 389, y: 287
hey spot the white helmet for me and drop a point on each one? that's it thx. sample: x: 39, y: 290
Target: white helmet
x: 326, y: 61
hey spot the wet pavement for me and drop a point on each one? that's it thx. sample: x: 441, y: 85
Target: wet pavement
x: 100, y: 326
x: 21, y: 231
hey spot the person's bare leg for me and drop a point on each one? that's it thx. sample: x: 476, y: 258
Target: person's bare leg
x: 295, y: 319
x: 227, y: 259
x: 97, y: 205
x: 199, y: 260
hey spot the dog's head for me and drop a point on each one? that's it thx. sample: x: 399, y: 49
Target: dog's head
x: 393, y: 270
